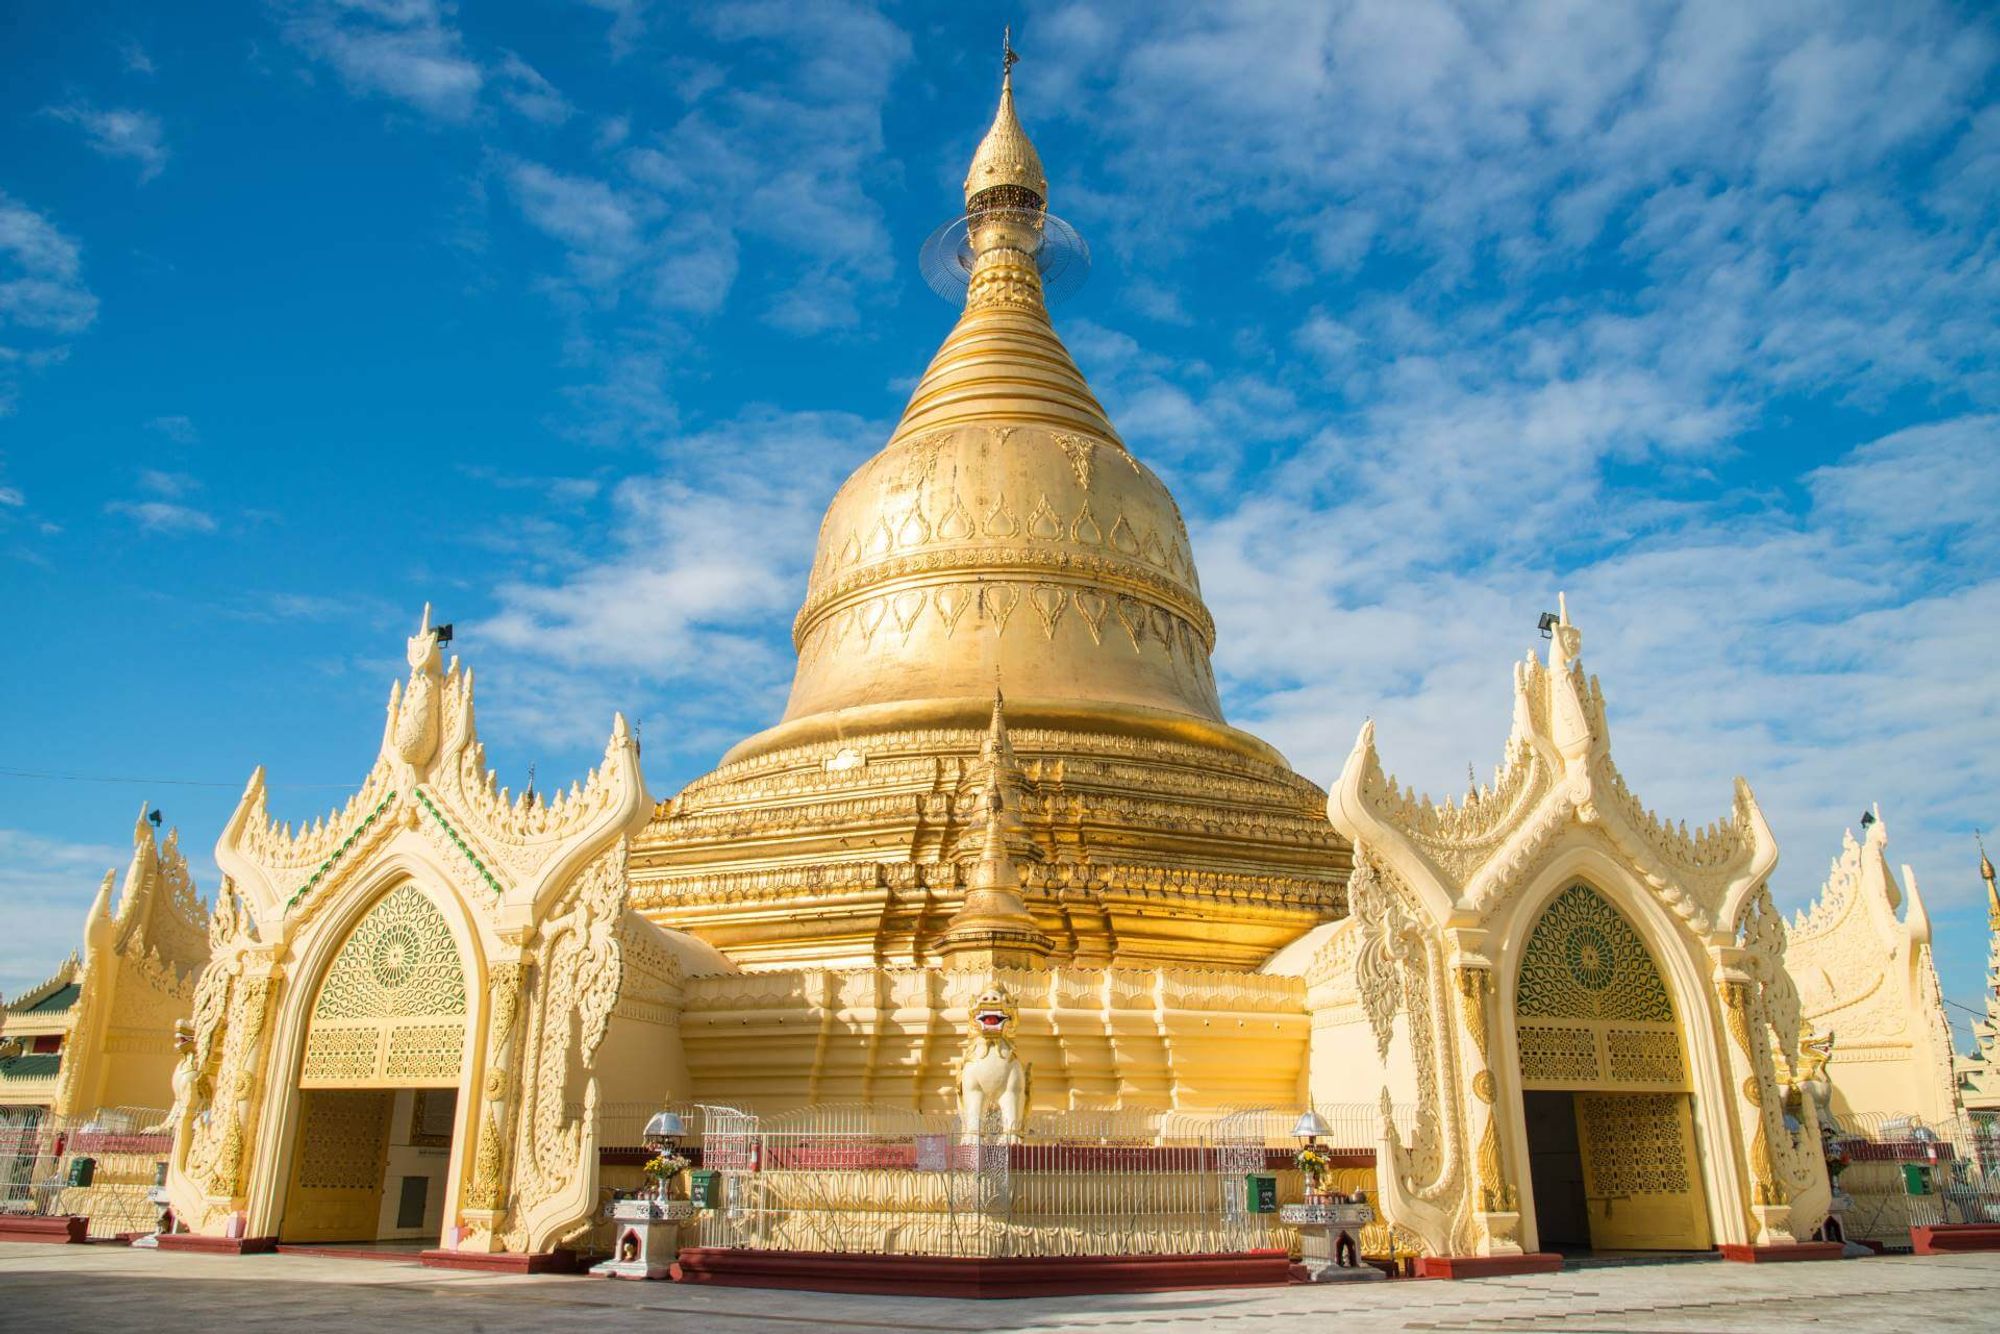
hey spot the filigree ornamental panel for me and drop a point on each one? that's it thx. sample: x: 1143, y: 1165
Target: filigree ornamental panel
x: 1553, y: 1054
x: 340, y: 1139
x: 401, y: 962
x: 1633, y: 1142
x: 425, y: 1052
x: 392, y: 1009
x: 1584, y: 961
x: 1645, y: 1056
x: 340, y: 1055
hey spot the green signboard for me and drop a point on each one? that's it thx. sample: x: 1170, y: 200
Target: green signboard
x: 705, y: 1188
x: 1261, y: 1193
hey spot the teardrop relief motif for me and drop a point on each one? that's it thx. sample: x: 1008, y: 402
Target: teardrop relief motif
x: 951, y: 604
x: 998, y: 601
x: 1000, y: 520
x: 956, y: 525
x: 1049, y: 601
x: 1043, y: 523
x: 1093, y: 605
x: 870, y: 618
x: 908, y: 606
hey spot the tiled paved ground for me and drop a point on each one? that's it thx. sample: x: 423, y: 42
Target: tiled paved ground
x: 96, y: 1288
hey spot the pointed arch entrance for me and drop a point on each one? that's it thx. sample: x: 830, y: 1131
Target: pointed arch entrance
x: 1606, y: 1095
x: 385, y: 1053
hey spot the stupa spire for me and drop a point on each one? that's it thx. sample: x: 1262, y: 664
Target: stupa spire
x: 1005, y: 524
x: 994, y: 927
x: 1986, y: 874
x: 1006, y: 160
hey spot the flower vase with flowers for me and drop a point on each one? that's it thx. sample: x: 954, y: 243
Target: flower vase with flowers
x: 1314, y: 1163
x: 664, y: 1169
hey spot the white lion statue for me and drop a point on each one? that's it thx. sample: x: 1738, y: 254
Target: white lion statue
x: 992, y: 1076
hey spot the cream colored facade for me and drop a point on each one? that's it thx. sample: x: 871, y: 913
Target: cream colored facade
x: 108, y: 1012
x: 1550, y: 935
x: 439, y: 961
x: 1868, y: 982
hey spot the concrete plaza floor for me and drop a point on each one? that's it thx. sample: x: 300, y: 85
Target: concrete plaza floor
x: 103, y: 1288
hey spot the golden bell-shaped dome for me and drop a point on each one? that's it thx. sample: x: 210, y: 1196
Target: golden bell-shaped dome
x: 1005, y: 532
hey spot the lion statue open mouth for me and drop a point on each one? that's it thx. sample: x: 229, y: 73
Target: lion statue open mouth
x: 992, y: 1079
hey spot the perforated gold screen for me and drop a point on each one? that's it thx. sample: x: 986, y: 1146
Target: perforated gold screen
x: 1591, y: 1010
x: 392, y: 1009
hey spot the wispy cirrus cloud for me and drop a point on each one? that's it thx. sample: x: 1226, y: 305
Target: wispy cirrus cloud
x: 165, y: 514
x: 176, y: 427
x: 523, y: 88
x: 43, y: 298
x: 773, y: 151
x: 406, y: 50
x: 628, y: 23
x: 48, y: 885
x: 164, y: 518
x: 119, y: 132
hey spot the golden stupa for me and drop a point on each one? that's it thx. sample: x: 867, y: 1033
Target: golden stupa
x: 897, y: 818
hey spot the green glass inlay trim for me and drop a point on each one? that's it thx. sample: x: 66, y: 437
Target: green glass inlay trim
x: 340, y: 851
x: 451, y: 833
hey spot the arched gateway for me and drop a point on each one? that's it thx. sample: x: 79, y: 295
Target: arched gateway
x: 1587, y: 1005
x: 379, y: 1086
x: 416, y: 1007
x: 1606, y: 1099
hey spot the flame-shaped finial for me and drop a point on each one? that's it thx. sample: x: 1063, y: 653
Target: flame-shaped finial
x: 1006, y: 159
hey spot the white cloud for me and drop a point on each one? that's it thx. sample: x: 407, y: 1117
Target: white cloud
x: 163, y: 518
x: 175, y: 427
x: 406, y: 50
x: 524, y: 89
x: 135, y: 58
x: 47, y: 886
x: 703, y: 558
x: 119, y: 132
x: 628, y: 23
x: 169, y: 484
x: 42, y: 295
x: 42, y: 270
x: 601, y: 228
x: 775, y: 148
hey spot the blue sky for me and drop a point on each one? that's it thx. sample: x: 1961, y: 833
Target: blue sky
x: 570, y: 317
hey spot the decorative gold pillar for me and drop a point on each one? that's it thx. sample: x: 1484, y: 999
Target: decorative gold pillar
x: 1498, y: 1202
x: 1760, y: 1107
x: 485, y: 1210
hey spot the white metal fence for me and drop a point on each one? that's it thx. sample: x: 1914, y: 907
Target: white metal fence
x: 102, y: 1167
x: 1902, y: 1172
x: 870, y: 1179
